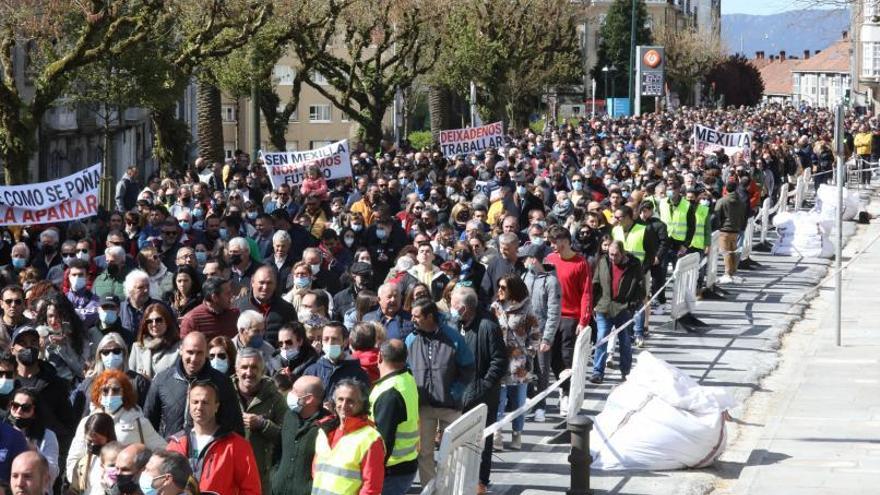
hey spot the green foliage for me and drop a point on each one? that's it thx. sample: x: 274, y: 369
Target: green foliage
x: 420, y: 139
x: 614, y: 49
x: 737, y: 80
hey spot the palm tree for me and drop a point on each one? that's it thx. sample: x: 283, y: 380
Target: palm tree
x: 439, y: 105
x: 209, y: 123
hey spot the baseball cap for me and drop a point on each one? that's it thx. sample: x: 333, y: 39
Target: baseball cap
x: 24, y: 330
x: 109, y: 300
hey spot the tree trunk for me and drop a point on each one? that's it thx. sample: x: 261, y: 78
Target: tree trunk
x: 275, y: 121
x: 171, y: 138
x: 15, y: 166
x: 210, y: 122
x: 439, y: 108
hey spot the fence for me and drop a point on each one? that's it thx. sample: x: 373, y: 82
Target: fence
x: 712, y: 261
x: 684, y: 287
x: 748, y: 240
x: 458, y: 463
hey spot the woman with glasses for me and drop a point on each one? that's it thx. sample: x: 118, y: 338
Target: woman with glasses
x: 185, y: 295
x: 158, y: 341
x: 221, y: 355
x: 411, y: 215
x: 519, y: 328
x: 27, y: 417
x: 111, y: 354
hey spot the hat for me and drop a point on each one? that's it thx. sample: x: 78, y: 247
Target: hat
x: 501, y: 166
x: 109, y: 300
x: 531, y: 251
x: 23, y: 330
x: 361, y: 268
x: 281, y: 214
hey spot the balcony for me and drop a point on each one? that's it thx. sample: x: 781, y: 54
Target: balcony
x: 62, y: 118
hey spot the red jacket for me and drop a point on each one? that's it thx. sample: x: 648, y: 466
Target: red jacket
x: 373, y: 465
x: 369, y: 360
x: 227, y: 465
x: 576, y: 285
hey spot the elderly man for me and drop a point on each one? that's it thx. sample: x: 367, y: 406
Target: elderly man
x: 166, y: 405
x: 321, y: 277
x: 499, y: 266
x: 215, y: 316
x: 20, y: 253
x: 130, y: 462
x: 251, y: 335
x: 336, y: 363
x: 264, y: 235
x: 397, y: 322
x: 282, y: 259
x: 263, y: 409
x: 239, y: 256
x: 305, y: 415
x: 112, y: 280
x: 29, y: 474
x: 161, y: 280
x: 355, y: 446
x: 137, y: 298
x: 265, y: 299
x: 48, y: 257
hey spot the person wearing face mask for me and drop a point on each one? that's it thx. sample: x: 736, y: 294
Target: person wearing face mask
x: 53, y: 391
x: 384, y: 241
x: 251, y: 333
x: 679, y: 216
x: 111, y: 281
x: 21, y: 254
x: 361, y: 276
x: 336, y: 363
x: 295, y: 350
x: 83, y: 465
x: 322, y: 278
x: 165, y: 473
x: 130, y: 462
x: 114, y: 395
x: 545, y: 297
x: 525, y: 200
x: 26, y: 416
x: 111, y: 354
x: 84, y: 301
x: 47, y: 256
x: 304, y: 417
x: 263, y: 409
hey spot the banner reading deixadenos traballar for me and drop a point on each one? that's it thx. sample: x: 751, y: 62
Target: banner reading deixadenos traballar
x: 70, y: 198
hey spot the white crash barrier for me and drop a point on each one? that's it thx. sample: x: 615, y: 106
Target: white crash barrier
x: 660, y: 418
x: 684, y: 288
x: 712, y: 260
x: 579, y: 370
x: 748, y: 239
x: 458, y: 463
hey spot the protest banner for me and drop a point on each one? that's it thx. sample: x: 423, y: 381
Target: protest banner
x: 707, y: 141
x: 334, y: 161
x: 471, y: 139
x: 71, y: 198
x: 482, y: 187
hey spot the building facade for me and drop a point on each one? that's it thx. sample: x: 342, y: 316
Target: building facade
x: 865, y: 83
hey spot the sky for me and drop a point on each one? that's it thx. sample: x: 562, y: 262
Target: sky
x: 762, y: 7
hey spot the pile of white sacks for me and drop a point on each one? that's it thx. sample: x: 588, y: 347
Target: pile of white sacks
x: 808, y: 233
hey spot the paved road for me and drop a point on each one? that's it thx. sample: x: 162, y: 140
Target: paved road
x: 737, y: 349
x: 815, y: 430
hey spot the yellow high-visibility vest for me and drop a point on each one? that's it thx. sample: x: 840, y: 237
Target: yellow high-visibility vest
x: 675, y: 219
x: 699, y: 239
x: 406, y: 440
x: 338, y: 469
x: 633, y: 241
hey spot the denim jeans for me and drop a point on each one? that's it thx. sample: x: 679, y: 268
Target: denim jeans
x: 399, y: 484
x: 605, y: 324
x: 516, y: 394
x: 638, y: 324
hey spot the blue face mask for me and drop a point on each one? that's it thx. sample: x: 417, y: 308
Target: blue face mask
x: 201, y: 257
x: 357, y: 227
x: 145, y: 483
x: 256, y: 342
x: 18, y: 263
x: 198, y: 212
x: 185, y: 226
x: 334, y: 351
x: 252, y: 215
x: 220, y: 365
x: 112, y: 361
x: 111, y: 403
x: 301, y: 282
x: 381, y: 234
x: 107, y: 316
x: 293, y: 403
x: 6, y: 385
x: 224, y: 233
x: 77, y: 283
x: 290, y: 353
x: 454, y: 315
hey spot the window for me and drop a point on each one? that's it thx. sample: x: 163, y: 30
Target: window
x: 292, y: 146
x: 319, y: 144
x: 294, y: 116
x: 319, y: 113
x: 228, y: 113
x: 319, y: 78
x: 871, y: 11
x: 870, y: 58
x: 228, y: 153
x: 796, y: 84
x: 283, y: 75
x: 343, y: 117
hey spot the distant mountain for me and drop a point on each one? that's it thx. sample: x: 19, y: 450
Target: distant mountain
x: 793, y: 31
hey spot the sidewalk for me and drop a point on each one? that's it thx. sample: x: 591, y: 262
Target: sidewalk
x: 815, y: 426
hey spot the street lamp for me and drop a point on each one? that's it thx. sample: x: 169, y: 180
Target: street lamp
x: 609, y: 70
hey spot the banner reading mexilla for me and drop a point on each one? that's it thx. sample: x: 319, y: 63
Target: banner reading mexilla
x: 72, y: 198
x: 471, y: 139
x: 708, y: 141
x: 334, y: 161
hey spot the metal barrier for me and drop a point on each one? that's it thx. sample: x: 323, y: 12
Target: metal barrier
x: 748, y: 240
x: 579, y: 371
x: 782, y: 202
x: 712, y: 260
x: 458, y: 465
x: 684, y: 289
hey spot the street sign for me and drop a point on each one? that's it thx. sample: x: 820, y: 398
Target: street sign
x: 651, y: 67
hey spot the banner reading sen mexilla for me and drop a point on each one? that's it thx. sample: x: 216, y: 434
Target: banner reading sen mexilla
x: 290, y: 167
x: 71, y: 198
x: 707, y: 140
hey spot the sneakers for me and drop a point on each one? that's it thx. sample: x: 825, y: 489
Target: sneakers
x: 596, y: 378
x: 640, y: 341
x: 516, y: 441
x: 725, y: 279
x: 540, y: 416
x: 737, y: 279
x: 610, y: 363
x: 563, y: 405
x: 482, y: 489
x: 498, y: 442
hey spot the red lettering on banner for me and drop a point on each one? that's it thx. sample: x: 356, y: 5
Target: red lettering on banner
x: 10, y: 216
x: 92, y: 203
x: 80, y: 208
x: 66, y: 208
x: 28, y: 217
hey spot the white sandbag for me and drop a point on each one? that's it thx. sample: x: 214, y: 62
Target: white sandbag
x: 803, y: 234
x: 660, y: 418
x: 826, y: 203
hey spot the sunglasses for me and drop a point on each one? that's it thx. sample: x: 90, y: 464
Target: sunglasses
x: 83, y: 251
x: 111, y: 390
x: 14, y: 302
x: 288, y: 342
x: 169, y: 232
x: 25, y: 408
x: 219, y: 355
x: 68, y: 255
x: 154, y: 321
x: 107, y: 352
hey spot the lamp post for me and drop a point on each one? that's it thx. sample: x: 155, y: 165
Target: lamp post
x: 632, y: 55
x: 605, y: 73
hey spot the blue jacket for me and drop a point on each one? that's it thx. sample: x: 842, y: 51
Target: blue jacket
x: 442, y: 364
x: 12, y: 443
x: 331, y: 374
x: 398, y: 327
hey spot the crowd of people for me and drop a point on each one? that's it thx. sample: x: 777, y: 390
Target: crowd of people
x: 214, y: 333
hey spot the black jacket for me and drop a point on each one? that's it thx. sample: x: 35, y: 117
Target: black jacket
x: 297, y: 366
x: 54, y: 396
x: 279, y: 314
x: 166, y: 406
x: 389, y: 411
x: 483, y: 337
x: 631, y: 289
x: 656, y: 240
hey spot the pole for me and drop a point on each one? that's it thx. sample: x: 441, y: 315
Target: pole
x: 605, y: 71
x: 255, y: 115
x: 614, y: 92
x: 579, y: 459
x: 473, y: 102
x: 636, y: 109
x: 838, y: 255
x: 593, y: 111
x: 632, y: 56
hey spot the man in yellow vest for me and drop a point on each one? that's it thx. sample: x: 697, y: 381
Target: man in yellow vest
x: 349, y: 459
x: 702, y: 235
x: 394, y: 407
x: 679, y: 217
x: 641, y: 243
